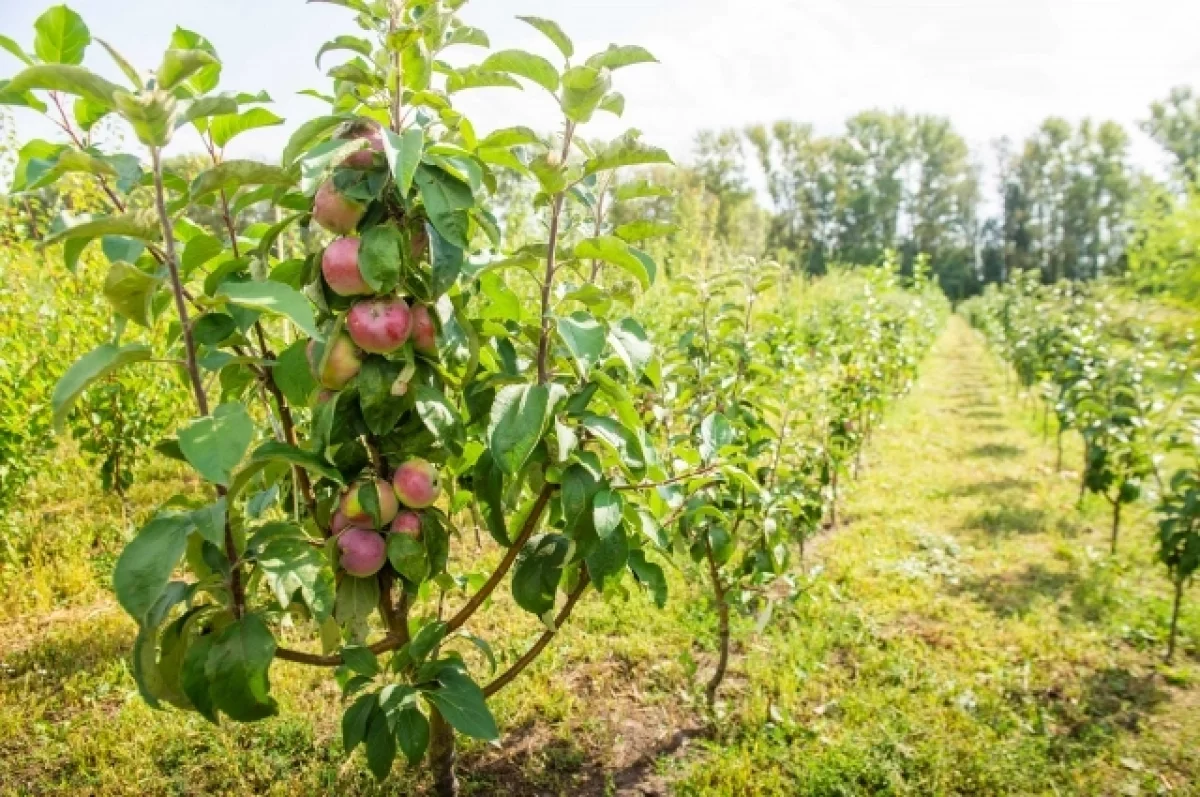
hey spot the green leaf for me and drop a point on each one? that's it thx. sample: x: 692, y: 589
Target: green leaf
x: 199, y: 251
x: 412, y: 734
x: 379, y: 257
x: 22, y: 100
x: 538, y: 571
x: 234, y: 174
x: 308, y: 134
x: 523, y: 64
x: 179, y: 65
x: 69, y: 161
x: 619, y: 438
x: 642, y: 229
x: 145, y: 565
x: 216, y: 443
x: 583, y: 89
x: 380, y: 407
x: 465, y: 34
x: 509, y: 137
x: 69, y: 79
x: 381, y: 746
x: 293, y: 374
x: 134, y: 77
x: 96, y: 364
x: 409, y: 557
x: 61, y: 36
x: 553, y: 32
x: 446, y: 201
x: 462, y: 704
x: 403, y: 153
x: 579, y: 485
x: 607, y: 509
x: 650, y: 575
x: 356, y: 599
x: 616, y: 57
x: 609, y: 556
x: 446, y: 262
x: 612, y: 249
x: 520, y: 416
x: 613, y: 102
x: 88, y: 113
x: 130, y: 291
x: 238, y: 670
x: 8, y: 44
x: 584, y: 338
x: 207, y: 107
x: 361, y: 660
x: 353, y: 43
x: 488, y: 483
x: 715, y: 434
x: 206, y: 78
x: 474, y: 78
x: 440, y: 417
x: 355, y: 721
x: 130, y: 225
x: 290, y: 563
x: 640, y: 189
x: 226, y: 127
x: 275, y: 451
x: 632, y: 345
x: 275, y: 298
x: 628, y: 150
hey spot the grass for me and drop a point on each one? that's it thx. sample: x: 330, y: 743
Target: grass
x: 964, y: 632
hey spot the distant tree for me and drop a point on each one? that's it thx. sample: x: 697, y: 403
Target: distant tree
x: 1174, y: 124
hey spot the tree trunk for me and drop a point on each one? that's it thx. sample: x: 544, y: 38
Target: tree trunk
x: 1116, y: 524
x: 442, y: 756
x: 833, y: 521
x: 1058, y: 462
x: 1175, y: 606
x: 1083, y: 476
x: 722, y: 629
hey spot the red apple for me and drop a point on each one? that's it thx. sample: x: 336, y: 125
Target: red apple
x: 338, y: 522
x: 379, y: 325
x: 338, y: 364
x: 407, y: 522
x: 417, y: 483
x: 365, y: 129
x: 358, y: 515
x: 424, y: 330
x: 336, y: 213
x: 339, y: 264
x: 363, y: 552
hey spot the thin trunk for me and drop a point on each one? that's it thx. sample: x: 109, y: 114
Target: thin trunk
x: 722, y: 628
x: 1058, y: 462
x: 833, y: 519
x: 1116, y: 524
x: 442, y: 756
x: 1175, y: 606
x: 1083, y: 475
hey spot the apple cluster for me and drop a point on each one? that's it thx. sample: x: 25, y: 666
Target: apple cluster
x: 373, y: 324
x: 415, y: 485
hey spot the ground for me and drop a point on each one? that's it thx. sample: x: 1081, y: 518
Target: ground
x: 964, y: 631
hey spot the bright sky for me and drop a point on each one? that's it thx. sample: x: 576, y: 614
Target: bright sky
x: 996, y: 67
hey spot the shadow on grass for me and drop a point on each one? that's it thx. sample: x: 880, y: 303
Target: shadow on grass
x: 1015, y: 593
x: 1006, y: 520
x: 1113, y: 701
x: 48, y: 664
x: 995, y: 451
x: 981, y: 415
x: 990, y: 488
x: 534, y: 763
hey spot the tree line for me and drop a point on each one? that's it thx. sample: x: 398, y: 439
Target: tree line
x: 1069, y: 200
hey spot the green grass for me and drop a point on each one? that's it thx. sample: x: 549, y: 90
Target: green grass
x: 964, y: 632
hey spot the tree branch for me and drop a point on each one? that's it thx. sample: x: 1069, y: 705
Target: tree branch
x: 193, y: 367
x: 556, y: 204
x: 507, y: 677
x: 510, y: 556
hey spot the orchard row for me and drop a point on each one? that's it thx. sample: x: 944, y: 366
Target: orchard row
x: 1132, y: 395
x: 375, y: 373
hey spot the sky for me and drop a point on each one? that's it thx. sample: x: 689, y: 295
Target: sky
x: 995, y: 67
